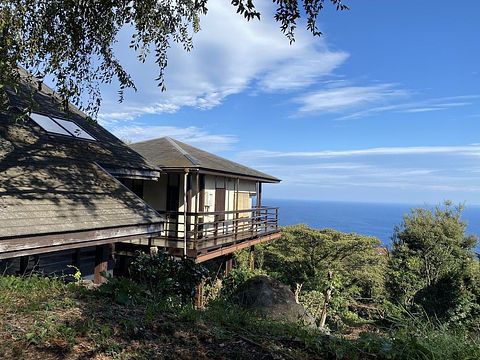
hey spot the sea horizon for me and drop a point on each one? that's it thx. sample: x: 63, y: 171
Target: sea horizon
x: 365, y: 218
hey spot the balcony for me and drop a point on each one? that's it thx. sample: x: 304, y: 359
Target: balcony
x: 210, y: 234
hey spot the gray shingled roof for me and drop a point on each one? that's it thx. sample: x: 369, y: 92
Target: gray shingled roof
x: 56, y: 184
x: 108, y: 150
x: 168, y: 153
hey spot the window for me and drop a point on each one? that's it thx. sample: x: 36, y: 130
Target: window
x: 74, y: 129
x: 60, y: 126
x: 48, y: 124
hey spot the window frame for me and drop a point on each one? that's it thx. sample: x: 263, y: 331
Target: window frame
x: 68, y: 134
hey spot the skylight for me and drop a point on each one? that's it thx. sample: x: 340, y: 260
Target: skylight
x: 60, y: 126
x: 48, y: 124
x: 74, y: 129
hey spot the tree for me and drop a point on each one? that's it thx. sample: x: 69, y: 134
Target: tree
x: 432, y: 264
x: 337, y: 269
x: 72, y: 40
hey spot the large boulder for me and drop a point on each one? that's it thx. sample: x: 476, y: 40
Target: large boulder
x: 272, y: 298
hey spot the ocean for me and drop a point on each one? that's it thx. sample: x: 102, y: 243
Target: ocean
x: 373, y: 219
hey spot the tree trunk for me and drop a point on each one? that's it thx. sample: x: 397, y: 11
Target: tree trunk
x: 327, y: 294
x: 297, y: 292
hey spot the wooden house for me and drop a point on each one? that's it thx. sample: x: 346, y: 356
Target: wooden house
x: 60, y: 188
x: 212, y: 206
x: 72, y: 193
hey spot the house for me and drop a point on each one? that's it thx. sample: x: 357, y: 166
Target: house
x: 72, y: 193
x: 212, y: 206
x: 60, y: 188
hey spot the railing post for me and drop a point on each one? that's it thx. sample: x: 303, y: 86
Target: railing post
x: 195, y: 231
x: 266, y: 219
x: 276, y: 218
x: 165, y: 228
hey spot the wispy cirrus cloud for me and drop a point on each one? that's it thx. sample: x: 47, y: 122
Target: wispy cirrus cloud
x: 425, y: 105
x: 408, y: 174
x: 467, y: 150
x: 359, y: 101
x: 341, y: 99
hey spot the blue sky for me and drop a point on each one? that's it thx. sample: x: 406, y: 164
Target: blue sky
x: 385, y: 107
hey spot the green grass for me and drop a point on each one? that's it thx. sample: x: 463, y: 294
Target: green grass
x: 48, y: 319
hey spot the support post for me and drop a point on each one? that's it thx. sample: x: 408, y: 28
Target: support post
x: 228, y: 264
x: 24, y: 260
x: 251, y: 258
x: 259, y: 195
x: 199, y: 296
x: 76, y: 258
x: 258, y: 205
x: 121, y: 266
x: 185, y: 179
x: 197, y: 196
x: 236, y: 214
x: 101, y: 263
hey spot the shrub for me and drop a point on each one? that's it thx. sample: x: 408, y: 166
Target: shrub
x: 432, y: 267
x: 157, y: 277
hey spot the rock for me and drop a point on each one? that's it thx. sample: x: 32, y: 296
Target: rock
x: 272, y: 298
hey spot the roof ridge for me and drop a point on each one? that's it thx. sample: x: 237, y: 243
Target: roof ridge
x: 185, y: 153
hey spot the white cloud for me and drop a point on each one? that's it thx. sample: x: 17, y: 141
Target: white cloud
x: 192, y: 135
x: 348, y: 97
x: 472, y: 150
x: 426, y: 105
x: 301, y: 70
x: 403, y: 174
x: 230, y: 56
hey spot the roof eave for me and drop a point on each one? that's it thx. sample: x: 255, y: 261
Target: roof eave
x: 208, y: 171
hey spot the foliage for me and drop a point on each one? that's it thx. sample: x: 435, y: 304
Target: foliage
x: 28, y: 293
x: 73, y: 41
x: 328, y: 266
x: 433, y: 266
x: 236, y: 278
x: 66, y: 322
x: 157, y: 277
x: 414, y: 339
x: 77, y: 275
x: 126, y: 292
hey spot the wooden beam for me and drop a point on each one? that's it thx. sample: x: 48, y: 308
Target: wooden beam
x: 235, y: 216
x: 233, y: 248
x: 133, y: 173
x: 259, y: 195
x: 64, y: 240
x: 49, y: 249
x: 185, y: 222
x: 76, y: 258
x: 102, y: 254
x: 220, y: 173
x: 199, y: 295
x: 189, y: 201
x: 228, y: 264
x: 251, y: 258
x: 24, y: 261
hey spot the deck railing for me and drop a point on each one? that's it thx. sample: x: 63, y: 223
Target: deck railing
x: 211, y: 229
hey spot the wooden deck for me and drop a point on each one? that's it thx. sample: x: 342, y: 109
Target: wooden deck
x: 207, y: 235
x: 201, y: 236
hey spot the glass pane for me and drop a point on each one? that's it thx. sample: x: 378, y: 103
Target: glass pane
x: 76, y: 130
x: 48, y: 124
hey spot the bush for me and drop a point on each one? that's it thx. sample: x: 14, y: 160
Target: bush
x: 432, y: 267
x: 157, y: 277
